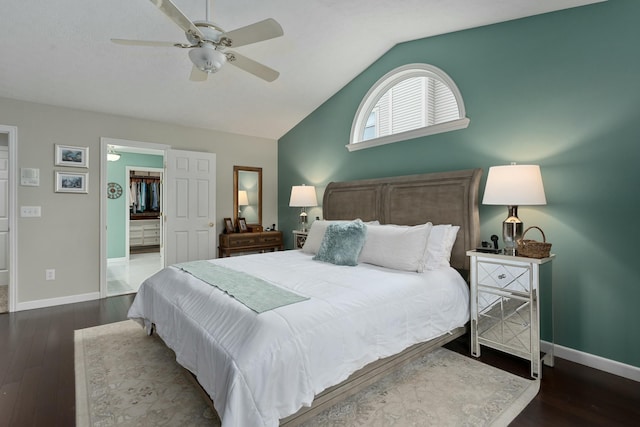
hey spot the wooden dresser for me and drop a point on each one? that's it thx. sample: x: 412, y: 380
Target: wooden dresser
x: 250, y: 242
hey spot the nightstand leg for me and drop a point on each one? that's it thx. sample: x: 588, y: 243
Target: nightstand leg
x: 473, y: 305
x: 549, y: 358
x: 535, y: 368
x: 475, y: 345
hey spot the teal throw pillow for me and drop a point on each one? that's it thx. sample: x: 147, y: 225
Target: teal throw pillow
x: 342, y: 243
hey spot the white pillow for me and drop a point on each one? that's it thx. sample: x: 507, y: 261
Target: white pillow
x: 396, y: 246
x: 439, y: 246
x: 449, y: 243
x: 314, y: 236
x: 316, y: 233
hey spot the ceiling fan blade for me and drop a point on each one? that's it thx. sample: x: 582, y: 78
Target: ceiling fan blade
x: 263, y: 30
x: 197, y: 75
x: 145, y: 43
x: 251, y: 66
x: 176, y: 15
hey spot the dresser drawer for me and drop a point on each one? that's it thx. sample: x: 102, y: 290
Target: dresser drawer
x: 151, y: 232
x: 505, y: 277
x: 242, y: 240
x: 151, y: 240
x: 271, y: 238
x: 505, y: 322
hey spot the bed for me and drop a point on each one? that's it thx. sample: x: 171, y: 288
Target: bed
x: 349, y: 324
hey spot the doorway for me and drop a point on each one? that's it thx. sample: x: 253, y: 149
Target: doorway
x: 8, y: 184
x: 143, y: 237
x: 132, y: 207
x: 4, y: 223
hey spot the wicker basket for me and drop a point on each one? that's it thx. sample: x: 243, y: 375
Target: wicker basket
x: 533, y: 249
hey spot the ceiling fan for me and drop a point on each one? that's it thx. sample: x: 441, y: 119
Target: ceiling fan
x: 208, y: 43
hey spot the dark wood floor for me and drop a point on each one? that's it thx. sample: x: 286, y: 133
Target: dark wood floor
x: 570, y: 394
x: 37, y: 382
x: 37, y: 375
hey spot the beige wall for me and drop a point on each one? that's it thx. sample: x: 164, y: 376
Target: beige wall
x: 66, y: 236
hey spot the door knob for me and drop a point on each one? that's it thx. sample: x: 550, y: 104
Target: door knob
x: 210, y: 224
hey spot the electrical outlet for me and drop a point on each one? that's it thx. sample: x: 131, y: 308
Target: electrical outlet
x: 50, y: 274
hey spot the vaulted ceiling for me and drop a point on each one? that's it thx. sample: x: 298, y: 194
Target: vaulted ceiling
x: 60, y: 53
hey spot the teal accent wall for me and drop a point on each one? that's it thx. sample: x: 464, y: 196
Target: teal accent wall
x: 116, y: 208
x: 561, y: 90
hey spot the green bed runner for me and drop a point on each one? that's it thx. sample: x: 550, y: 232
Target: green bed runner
x: 255, y: 293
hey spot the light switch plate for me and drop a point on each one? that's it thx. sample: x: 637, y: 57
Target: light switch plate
x: 30, y: 211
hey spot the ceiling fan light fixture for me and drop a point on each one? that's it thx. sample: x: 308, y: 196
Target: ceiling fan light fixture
x: 206, y: 58
x: 112, y: 156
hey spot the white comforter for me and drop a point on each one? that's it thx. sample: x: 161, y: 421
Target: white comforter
x: 261, y: 368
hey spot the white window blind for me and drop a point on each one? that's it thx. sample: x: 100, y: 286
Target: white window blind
x: 411, y: 104
x: 446, y: 107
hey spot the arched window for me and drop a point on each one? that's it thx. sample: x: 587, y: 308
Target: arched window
x: 411, y: 101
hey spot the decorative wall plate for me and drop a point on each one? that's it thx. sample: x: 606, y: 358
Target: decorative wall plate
x: 114, y: 190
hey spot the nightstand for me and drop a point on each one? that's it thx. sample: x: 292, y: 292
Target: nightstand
x: 505, y: 306
x: 299, y: 237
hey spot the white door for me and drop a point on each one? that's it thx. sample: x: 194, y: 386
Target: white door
x: 4, y: 215
x: 190, y: 206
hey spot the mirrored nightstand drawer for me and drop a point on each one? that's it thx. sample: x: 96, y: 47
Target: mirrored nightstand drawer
x: 504, y: 276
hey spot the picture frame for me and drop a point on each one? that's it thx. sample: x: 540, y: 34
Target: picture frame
x: 75, y: 157
x: 242, y: 225
x: 72, y: 182
x: 228, y: 226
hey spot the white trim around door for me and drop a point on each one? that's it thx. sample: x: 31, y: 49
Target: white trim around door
x: 104, y: 143
x: 12, y: 133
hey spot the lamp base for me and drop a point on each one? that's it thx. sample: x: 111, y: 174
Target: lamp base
x: 303, y: 220
x: 512, y: 231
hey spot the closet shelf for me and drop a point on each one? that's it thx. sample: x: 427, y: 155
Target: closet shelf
x: 144, y: 215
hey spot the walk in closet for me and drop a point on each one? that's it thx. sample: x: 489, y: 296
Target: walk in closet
x: 144, y: 211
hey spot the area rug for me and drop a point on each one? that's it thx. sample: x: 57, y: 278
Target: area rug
x: 125, y: 378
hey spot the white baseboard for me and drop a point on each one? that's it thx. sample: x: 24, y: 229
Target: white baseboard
x: 593, y: 361
x: 50, y: 302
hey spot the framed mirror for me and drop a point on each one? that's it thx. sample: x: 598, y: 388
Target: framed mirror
x: 247, y: 195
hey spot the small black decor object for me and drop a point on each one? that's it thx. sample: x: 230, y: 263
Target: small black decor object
x: 487, y: 248
x: 494, y: 238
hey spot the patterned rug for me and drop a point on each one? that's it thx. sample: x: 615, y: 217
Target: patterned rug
x: 125, y: 378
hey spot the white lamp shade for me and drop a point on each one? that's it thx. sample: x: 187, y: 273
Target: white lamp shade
x: 303, y: 196
x: 514, y: 185
x: 243, y: 199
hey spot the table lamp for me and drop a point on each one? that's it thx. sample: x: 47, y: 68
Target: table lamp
x: 513, y: 185
x: 303, y: 196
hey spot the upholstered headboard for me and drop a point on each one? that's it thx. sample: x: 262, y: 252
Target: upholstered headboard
x: 441, y: 198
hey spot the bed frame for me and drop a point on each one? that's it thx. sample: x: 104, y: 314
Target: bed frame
x: 441, y: 198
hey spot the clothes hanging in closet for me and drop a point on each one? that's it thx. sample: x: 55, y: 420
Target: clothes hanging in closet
x: 144, y: 195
